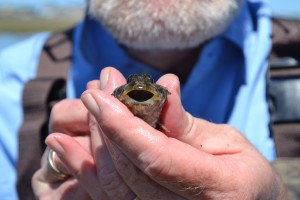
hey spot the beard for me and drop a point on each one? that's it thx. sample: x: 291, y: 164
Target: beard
x: 164, y: 24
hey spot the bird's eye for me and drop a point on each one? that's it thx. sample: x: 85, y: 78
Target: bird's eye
x: 132, y: 78
x: 148, y: 78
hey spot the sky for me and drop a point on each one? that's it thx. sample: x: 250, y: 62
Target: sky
x: 36, y: 3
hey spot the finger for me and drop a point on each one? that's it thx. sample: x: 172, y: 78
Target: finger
x: 49, y: 176
x: 110, y: 79
x: 196, y: 132
x: 160, y: 157
x: 95, y: 84
x: 100, y: 105
x: 142, y: 185
x: 70, y: 117
x: 109, y: 179
x: 48, y: 186
x: 174, y: 108
x: 69, y: 189
x: 78, y: 161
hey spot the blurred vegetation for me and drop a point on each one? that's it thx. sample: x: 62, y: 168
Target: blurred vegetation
x: 34, y: 25
x: 17, y: 20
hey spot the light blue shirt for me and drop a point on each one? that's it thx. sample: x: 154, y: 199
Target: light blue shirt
x: 227, y: 84
x: 17, y: 65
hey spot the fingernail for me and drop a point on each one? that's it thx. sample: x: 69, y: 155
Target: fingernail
x: 89, y: 101
x: 104, y: 76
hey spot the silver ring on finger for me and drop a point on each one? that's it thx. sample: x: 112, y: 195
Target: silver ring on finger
x: 55, y: 172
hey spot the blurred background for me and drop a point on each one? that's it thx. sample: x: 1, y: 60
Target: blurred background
x: 21, y: 18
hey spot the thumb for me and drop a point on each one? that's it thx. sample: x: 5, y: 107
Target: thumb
x: 177, y: 121
x: 206, y: 136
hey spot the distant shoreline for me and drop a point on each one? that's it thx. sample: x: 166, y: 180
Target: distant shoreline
x: 35, y: 25
x: 28, y: 21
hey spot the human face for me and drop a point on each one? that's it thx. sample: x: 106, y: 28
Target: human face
x: 164, y: 24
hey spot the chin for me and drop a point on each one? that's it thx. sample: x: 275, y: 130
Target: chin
x: 164, y: 24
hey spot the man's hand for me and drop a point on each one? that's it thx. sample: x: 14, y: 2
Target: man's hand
x: 73, y: 127
x: 196, y: 159
x: 68, y: 117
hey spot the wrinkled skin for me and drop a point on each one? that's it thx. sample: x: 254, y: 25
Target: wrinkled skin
x: 125, y: 157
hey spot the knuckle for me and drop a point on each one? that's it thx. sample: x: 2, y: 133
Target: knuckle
x: 122, y: 163
x: 93, y: 125
x: 94, y: 84
x: 109, y: 178
x: 112, y: 183
x: 156, y: 169
x: 61, y: 112
x: 228, y: 129
x: 159, y: 167
x: 57, y: 109
x: 230, y: 133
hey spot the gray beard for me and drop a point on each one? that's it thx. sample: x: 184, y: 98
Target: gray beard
x: 164, y: 24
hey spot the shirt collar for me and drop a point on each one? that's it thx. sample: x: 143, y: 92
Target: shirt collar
x: 240, y: 27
